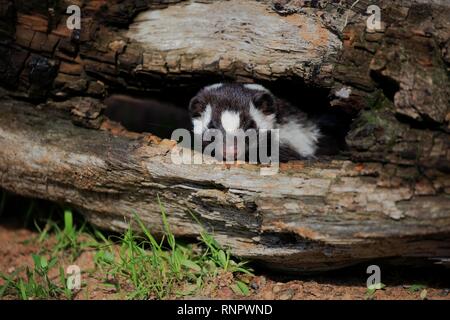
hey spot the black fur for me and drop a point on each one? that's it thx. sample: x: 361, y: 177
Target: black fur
x: 236, y: 97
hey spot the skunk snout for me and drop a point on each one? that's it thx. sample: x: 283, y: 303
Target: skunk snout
x: 230, y: 151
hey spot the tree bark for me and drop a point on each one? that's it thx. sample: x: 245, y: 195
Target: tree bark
x: 388, y: 197
x: 310, y: 216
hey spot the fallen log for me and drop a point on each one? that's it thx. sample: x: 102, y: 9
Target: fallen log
x: 310, y: 216
x: 243, y: 39
x: 387, y: 198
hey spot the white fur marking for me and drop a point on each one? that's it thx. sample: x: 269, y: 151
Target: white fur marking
x: 214, y: 86
x: 254, y: 86
x: 262, y: 121
x: 230, y: 120
x: 343, y: 93
x: 302, y: 139
x: 201, y: 123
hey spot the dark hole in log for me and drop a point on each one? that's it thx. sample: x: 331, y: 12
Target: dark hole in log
x: 161, y: 112
x: 389, y: 86
x: 283, y: 239
x: 154, y: 115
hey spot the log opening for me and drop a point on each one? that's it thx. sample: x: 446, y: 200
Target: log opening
x: 389, y: 198
x: 163, y: 112
x: 311, y: 216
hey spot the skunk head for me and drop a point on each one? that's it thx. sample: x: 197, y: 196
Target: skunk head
x: 232, y: 109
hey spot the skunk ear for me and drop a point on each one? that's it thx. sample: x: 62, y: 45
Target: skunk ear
x: 264, y: 102
x: 196, y: 107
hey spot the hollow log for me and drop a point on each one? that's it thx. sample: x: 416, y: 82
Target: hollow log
x: 310, y: 216
x: 388, y: 196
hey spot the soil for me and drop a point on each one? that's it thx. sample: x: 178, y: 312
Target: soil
x: 18, y: 243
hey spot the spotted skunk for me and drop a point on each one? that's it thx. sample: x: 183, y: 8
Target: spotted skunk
x: 232, y: 106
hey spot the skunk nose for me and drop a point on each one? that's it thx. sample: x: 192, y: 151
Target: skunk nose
x: 230, y: 151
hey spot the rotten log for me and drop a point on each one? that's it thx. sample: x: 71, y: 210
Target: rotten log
x: 311, y: 216
x: 387, y: 197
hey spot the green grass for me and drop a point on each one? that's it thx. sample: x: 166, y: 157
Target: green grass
x: 36, y: 283
x: 70, y: 240
x: 419, y: 288
x: 371, y: 290
x: 134, y: 263
x: 167, y: 268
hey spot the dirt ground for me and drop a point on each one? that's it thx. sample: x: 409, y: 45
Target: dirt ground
x: 17, y: 245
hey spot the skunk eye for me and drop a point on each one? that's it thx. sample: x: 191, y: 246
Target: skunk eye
x: 264, y: 102
x: 196, y: 107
